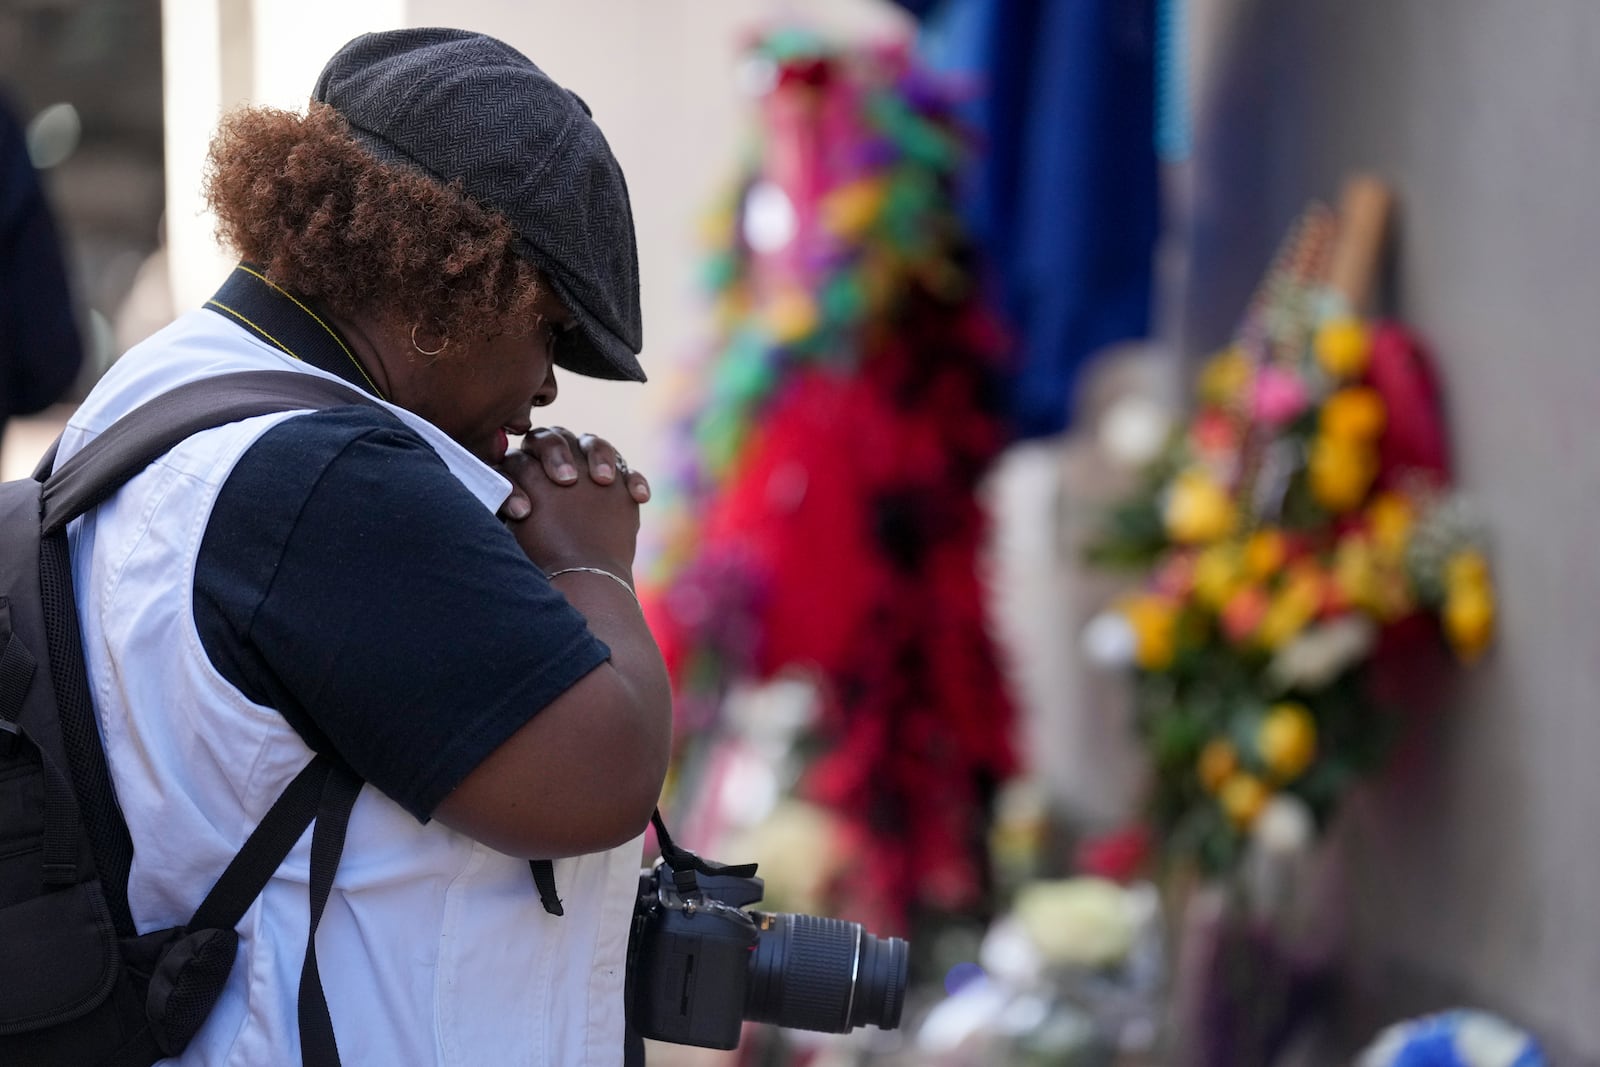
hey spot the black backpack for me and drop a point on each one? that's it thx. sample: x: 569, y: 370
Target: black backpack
x: 80, y: 987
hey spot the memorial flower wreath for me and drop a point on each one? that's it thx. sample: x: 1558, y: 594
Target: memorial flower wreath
x: 1299, y: 549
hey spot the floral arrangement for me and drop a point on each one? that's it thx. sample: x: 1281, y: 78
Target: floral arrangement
x: 829, y: 525
x: 1453, y: 1039
x: 1073, y: 974
x: 1300, y: 550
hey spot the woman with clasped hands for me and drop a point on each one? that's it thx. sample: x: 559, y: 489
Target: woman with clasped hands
x: 384, y: 583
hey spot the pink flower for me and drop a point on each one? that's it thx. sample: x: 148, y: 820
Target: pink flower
x: 1279, y: 396
x: 1174, y: 577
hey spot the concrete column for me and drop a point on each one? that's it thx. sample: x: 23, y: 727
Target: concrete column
x: 224, y: 54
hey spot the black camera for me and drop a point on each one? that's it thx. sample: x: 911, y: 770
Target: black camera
x: 699, y: 964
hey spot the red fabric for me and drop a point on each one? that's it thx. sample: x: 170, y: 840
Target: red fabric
x: 1121, y: 855
x: 854, y: 530
x: 1414, y: 439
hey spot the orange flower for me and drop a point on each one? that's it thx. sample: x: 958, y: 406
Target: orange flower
x: 1265, y: 553
x: 1243, y: 613
x: 1217, y: 762
x: 1353, y: 414
x: 1390, y: 518
x: 1154, y: 620
x: 1341, y: 472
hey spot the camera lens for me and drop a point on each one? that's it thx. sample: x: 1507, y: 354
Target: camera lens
x: 812, y: 973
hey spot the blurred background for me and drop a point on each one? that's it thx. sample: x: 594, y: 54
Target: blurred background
x: 1124, y: 497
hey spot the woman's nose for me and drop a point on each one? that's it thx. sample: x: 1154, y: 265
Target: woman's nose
x: 545, y: 395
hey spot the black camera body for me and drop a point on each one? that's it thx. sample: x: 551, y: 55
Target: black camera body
x: 699, y: 964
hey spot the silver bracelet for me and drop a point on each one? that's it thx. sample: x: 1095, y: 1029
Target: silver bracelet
x: 596, y: 570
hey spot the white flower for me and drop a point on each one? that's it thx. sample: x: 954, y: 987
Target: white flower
x: 1134, y: 430
x: 1284, y: 827
x: 1010, y: 954
x: 1323, y: 652
x: 1109, y: 640
x: 1087, y: 922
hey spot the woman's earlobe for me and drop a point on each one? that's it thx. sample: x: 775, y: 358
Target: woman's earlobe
x: 428, y: 343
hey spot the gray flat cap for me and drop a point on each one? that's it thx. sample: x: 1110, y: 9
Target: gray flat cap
x: 460, y: 105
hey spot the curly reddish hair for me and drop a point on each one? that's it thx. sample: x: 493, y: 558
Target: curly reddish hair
x: 299, y: 195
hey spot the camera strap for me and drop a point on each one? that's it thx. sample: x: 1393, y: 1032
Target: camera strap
x: 544, y: 880
x: 685, y: 865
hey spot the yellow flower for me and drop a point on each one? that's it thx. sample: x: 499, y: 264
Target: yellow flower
x: 1154, y: 621
x: 851, y: 208
x: 1242, y: 797
x: 1341, y: 472
x: 1469, y: 603
x: 1287, y: 741
x: 1198, y: 509
x: 1355, y: 572
x: 1225, y: 377
x: 1390, y: 517
x: 1469, y: 613
x: 1264, y: 553
x: 1218, y: 574
x: 1343, y: 347
x: 1466, y: 568
x: 791, y: 316
x: 1217, y: 762
x: 1353, y: 414
x: 1291, y: 609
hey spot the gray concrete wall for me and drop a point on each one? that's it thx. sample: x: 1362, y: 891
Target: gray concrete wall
x: 1476, y: 876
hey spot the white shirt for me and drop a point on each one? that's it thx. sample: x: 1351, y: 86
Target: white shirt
x: 434, y: 949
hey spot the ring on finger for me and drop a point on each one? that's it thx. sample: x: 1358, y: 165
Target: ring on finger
x: 622, y: 464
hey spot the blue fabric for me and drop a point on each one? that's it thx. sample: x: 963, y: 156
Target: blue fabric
x: 349, y: 580
x: 1064, y: 197
x: 1435, y: 1048
x: 40, y: 350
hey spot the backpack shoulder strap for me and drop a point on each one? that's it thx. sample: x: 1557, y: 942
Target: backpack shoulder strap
x: 132, y: 442
x: 88, y: 478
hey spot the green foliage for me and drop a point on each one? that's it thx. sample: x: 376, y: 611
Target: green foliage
x: 1132, y: 539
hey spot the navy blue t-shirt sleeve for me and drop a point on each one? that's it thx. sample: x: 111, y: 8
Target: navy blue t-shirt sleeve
x: 349, y: 580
